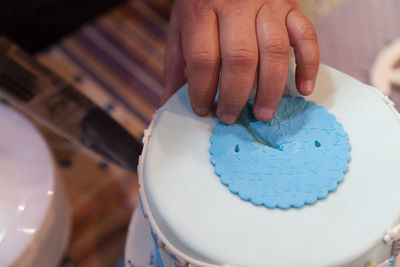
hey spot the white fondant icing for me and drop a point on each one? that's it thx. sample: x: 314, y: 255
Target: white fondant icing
x: 392, y: 235
x: 198, y: 220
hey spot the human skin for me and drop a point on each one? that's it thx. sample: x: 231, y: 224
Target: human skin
x: 226, y: 42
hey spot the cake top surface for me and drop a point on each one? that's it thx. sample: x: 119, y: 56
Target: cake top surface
x: 202, y: 219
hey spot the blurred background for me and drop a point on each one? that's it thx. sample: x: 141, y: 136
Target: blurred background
x: 112, y: 51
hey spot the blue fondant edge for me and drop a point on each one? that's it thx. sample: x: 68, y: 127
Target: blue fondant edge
x: 285, y: 207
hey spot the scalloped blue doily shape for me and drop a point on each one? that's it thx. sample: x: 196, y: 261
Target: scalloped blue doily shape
x: 308, y: 159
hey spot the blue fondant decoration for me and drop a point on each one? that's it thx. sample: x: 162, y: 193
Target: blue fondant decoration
x: 158, y: 256
x: 303, y: 156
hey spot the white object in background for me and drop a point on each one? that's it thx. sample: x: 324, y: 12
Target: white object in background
x: 385, y: 71
x: 315, y: 10
x: 34, y: 214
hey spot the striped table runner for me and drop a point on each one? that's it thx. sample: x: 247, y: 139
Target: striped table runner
x: 118, y: 61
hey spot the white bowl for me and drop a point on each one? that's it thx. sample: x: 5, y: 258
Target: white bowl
x: 34, y: 215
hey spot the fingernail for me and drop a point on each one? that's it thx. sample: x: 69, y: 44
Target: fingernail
x: 307, y: 87
x: 264, y: 114
x: 228, y: 118
x: 201, y: 111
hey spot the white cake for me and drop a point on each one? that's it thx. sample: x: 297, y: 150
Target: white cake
x: 197, y: 221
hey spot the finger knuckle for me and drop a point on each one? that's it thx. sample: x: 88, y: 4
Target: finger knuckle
x: 308, y: 34
x: 309, y: 61
x: 277, y: 47
x: 275, y: 91
x: 202, y: 97
x: 202, y: 59
x: 229, y: 6
x: 234, y: 100
x: 199, y: 10
x: 238, y: 3
x: 196, y: 6
x: 242, y: 57
x: 233, y: 105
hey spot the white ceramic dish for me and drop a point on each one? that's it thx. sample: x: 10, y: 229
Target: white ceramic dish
x: 34, y: 215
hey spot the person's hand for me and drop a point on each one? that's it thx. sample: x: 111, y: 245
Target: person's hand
x: 236, y: 37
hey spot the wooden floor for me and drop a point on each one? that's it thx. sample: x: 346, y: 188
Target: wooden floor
x: 117, y: 60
